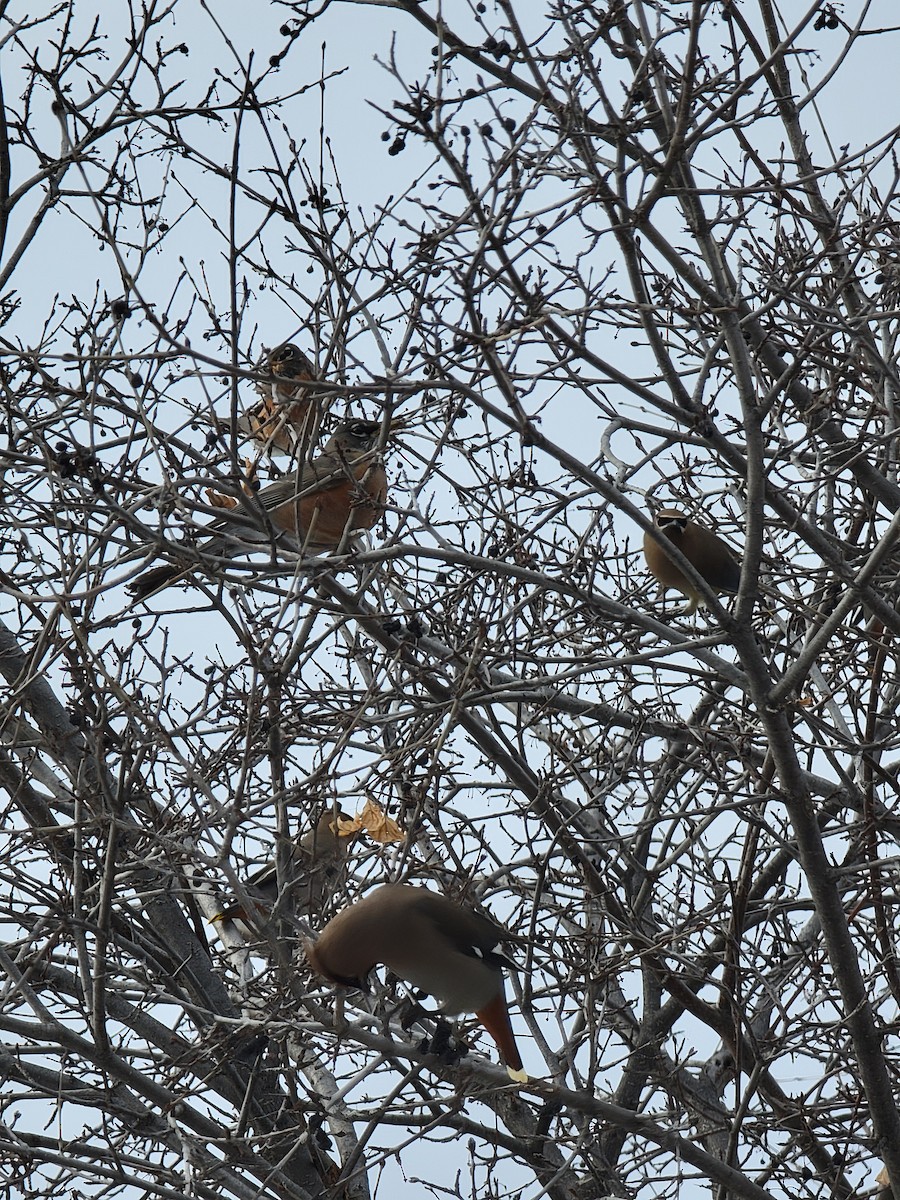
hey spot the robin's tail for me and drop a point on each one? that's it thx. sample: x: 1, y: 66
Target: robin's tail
x: 153, y: 581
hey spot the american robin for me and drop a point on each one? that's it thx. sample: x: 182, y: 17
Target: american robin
x: 340, y: 492
x: 287, y: 413
x: 446, y: 949
x: 707, y: 554
x: 315, y: 865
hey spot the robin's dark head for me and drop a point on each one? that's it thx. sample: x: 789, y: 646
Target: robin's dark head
x: 289, y: 361
x: 354, y: 438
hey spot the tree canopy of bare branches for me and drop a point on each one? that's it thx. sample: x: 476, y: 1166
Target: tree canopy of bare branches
x: 579, y: 262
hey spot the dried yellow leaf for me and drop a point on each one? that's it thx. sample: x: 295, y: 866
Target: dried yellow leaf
x: 217, y: 500
x: 377, y: 824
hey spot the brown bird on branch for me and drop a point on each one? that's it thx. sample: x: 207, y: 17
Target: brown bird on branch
x: 341, y: 492
x: 447, y: 950
x: 315, y: 864
x: 288, y: 411
x: 704, y: 550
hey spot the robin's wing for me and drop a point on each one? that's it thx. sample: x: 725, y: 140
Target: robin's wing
x: 320, y: 475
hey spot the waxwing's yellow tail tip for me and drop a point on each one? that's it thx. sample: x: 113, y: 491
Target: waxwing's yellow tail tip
x: 517, y: 1076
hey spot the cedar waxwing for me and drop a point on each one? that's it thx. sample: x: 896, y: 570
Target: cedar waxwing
x: 706, y: 552
x: 443, y: 948
x: 315, y: 865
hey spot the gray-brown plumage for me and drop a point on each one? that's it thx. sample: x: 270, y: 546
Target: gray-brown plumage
x: 315, y: 866
x: 703, y: 549
x: 289, y: 410
x: 446, y: 949
x: 342, y: 491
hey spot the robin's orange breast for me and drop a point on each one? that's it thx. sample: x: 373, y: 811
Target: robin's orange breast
x: 286, y: 415
x: 351, y: 505
x: 278, y: 425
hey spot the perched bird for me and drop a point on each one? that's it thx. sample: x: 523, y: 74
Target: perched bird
x: 447, y: 950
x: 342, y: 491
x: 707, y: 554
x: 287, y: 413
x: 315, y: 865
